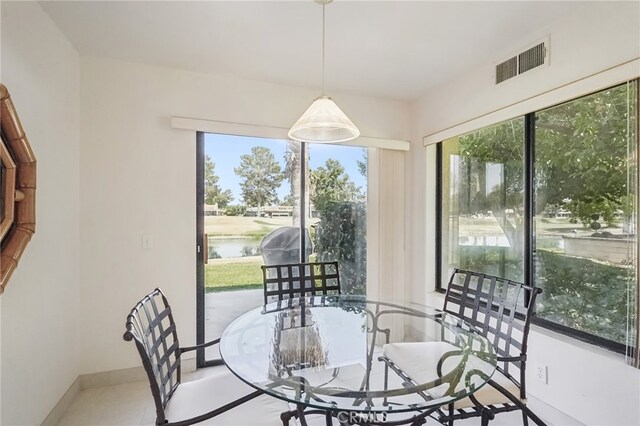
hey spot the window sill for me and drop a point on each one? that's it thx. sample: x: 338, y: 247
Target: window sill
x: 435, y: 299
x: 577, y: 343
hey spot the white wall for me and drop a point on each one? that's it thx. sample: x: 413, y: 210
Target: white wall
x: 597, y: 37
x: 138, y: 176
x: 589, y: 385
x: 39, y: 307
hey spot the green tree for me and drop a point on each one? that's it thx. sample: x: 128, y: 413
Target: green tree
x: 235, y: 210
x: 582, y: 149
x: 581, y: 157
x: 502, y: 145
x: 362, y: 164
x: 330, y: 184
x: 293, y: 173
x: 289, y: 200
x: 213, y: 194
x: 261, y: 176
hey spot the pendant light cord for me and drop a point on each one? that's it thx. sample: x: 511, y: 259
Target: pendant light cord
x: 323, y: 42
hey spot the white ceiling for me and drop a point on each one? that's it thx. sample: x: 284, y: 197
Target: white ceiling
x: 389, y: 49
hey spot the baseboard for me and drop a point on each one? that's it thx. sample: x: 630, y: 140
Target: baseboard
x: 56, y: 414
x: 105, y: 378
x: 551, y: 414
x: 126, y: 375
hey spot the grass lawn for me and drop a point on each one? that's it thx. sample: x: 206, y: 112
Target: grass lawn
x: 241, y: 226
x: 238, y: 273
x: 241, y: 273
x: 225, y: 276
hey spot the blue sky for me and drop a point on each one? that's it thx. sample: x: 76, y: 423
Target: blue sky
x: 225, y: 151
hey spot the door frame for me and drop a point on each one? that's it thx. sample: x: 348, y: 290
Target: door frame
x: 201, y: 361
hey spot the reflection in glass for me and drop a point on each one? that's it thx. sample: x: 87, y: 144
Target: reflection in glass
x: 335, y: 352
x: 483, y: 201
x: 296, y: 344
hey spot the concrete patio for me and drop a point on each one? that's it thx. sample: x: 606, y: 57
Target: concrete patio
x: 222, y: 308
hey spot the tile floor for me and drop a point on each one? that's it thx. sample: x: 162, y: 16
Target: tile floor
x: 131, y: 405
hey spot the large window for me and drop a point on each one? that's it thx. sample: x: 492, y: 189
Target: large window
x: 482, y: 202
x: 550, y: 199
x: 586, y: 213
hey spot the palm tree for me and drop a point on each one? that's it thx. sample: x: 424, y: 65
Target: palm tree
x: 293, y: 174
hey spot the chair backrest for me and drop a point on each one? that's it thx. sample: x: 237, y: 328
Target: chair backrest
x: 499, y: 309
x: 150, y: 324
x: 300, y: 279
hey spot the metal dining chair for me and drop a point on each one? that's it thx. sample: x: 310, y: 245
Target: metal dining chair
x: 500, y: 310
x: 300, y: 279
x: 151, y: 326
x: 291, y: 280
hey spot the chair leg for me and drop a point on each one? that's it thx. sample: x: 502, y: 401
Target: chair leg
x: 450, y: 414
x: 300, y: 416
x: 525, y: 410
x: 287, y: 415
x: 525, y: 418
x: 328, y: 418
x: 487, y: 416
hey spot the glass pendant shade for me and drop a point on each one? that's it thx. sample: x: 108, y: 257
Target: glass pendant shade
x: 323, y: 122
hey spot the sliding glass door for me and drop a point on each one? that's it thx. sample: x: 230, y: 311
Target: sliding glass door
x: 259, y: 202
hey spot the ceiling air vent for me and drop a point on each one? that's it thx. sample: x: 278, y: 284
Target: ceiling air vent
x: 522, y: 62
x: 532, y: 58
x: 507, y: 69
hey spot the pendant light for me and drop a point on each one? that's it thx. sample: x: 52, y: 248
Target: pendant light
x: 323, y: 121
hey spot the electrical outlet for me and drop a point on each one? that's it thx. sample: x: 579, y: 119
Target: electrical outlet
x: 541, y: 372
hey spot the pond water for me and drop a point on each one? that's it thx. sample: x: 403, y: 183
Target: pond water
x: 223, y: 248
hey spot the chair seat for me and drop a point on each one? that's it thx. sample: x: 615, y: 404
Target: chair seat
x: 414, y: 356
x: 488, y: 395
x: 217, y: 389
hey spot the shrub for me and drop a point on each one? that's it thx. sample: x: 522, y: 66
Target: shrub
x: 341, y: 236
x: 584, y: 294
x: 235, y: 211
x: 580, y: 293
x: 498, y: 261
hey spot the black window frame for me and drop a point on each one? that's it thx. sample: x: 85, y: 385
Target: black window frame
x: 529, y: 171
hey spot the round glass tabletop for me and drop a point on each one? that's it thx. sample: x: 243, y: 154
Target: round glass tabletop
x: 349, y: 353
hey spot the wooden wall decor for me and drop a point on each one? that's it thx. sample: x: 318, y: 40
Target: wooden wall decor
x: 17, y: 189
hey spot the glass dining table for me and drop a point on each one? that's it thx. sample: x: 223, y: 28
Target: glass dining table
x: 357, y: 360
